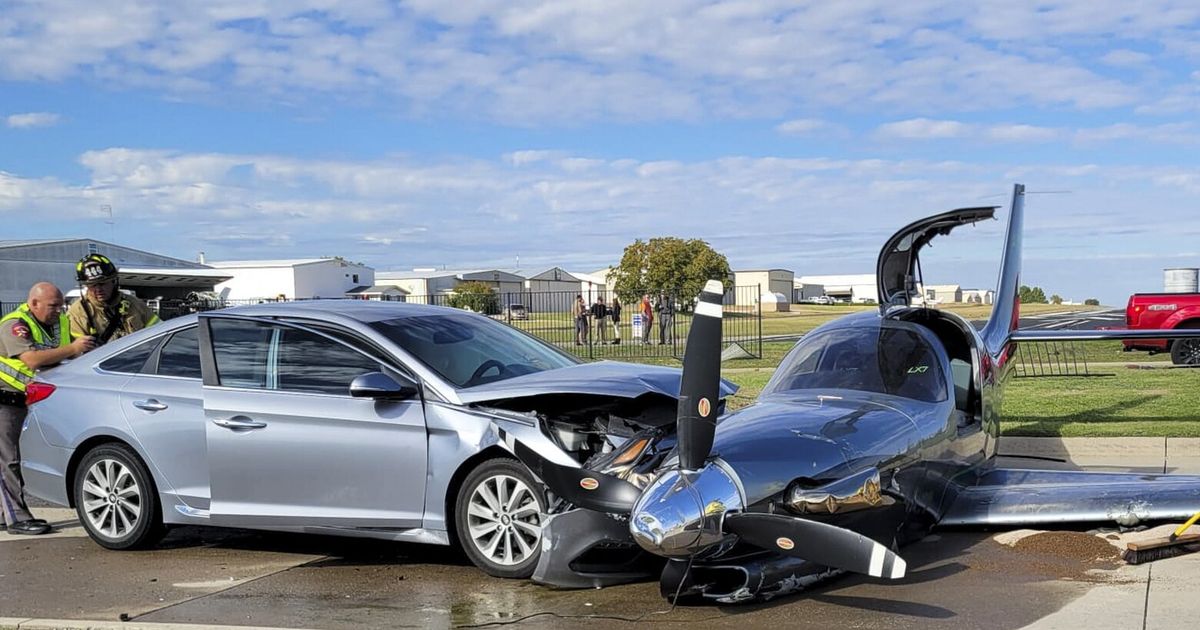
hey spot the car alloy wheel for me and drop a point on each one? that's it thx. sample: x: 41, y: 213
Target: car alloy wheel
x: 1185, y: 352
x: 499, y: 518
x: 112, y: 498
x: 116, y: 499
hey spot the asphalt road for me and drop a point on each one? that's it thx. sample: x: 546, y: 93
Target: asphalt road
x: 956, y: 580
x: 1091, y: 320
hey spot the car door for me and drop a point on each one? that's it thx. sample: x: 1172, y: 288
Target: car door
x: 289, y: 446
x: 164, y: 405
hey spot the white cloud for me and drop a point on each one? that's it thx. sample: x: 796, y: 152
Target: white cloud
x: 531, y: 62
x: 802, y: 126
x: 1124, y: 58
x: 920, y: 129
x: 1022, y: 133
x: 924, y: 129
x: 795, y: 213
x: 32, y: 119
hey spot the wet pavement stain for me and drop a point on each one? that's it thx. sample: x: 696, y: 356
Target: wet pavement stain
x: 217, y: 576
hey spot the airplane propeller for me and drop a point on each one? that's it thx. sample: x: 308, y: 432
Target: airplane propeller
x: 584, y: 488
x: 818, y: 542
x: 700, y: 386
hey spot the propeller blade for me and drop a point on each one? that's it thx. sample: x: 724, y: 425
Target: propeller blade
x: 819, y: 542
x: 585, y: 488
x: 700, y: 386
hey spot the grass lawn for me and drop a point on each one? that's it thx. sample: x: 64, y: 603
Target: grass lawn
x: 1131, y: 402
x: 1124, y: 402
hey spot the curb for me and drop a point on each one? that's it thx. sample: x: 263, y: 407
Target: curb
x: 20, y: 623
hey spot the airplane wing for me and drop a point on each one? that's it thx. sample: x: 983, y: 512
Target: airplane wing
x: 1045, y: 497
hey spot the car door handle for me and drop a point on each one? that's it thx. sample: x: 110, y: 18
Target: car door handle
x: 149, y: 405
x: 239, y: 422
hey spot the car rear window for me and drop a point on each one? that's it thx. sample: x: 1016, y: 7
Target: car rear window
x: 131, y: 361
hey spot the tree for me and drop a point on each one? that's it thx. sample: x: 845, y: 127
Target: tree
x: 475, y: 296
x: 1056, y: 299
x: 668, y: 264
x: 1092, y: 302
x: 1031, y: 295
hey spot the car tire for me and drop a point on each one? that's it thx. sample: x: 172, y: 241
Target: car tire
x: 498, y: 518
x: 116, y: 499
x: 1185, y: 352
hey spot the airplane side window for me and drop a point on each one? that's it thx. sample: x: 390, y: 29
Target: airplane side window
x: 885, y: 360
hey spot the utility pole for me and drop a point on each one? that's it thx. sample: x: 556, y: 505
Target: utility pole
x: 106, y: 209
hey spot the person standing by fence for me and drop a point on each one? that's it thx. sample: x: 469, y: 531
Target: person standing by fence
x: 647, y: 313
x: 581, y: 322
x: 614, y: 314
x: 666, y: 319
x: 600, y: 319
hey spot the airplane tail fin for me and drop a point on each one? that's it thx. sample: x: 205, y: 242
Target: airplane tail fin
x: 1006, y: 306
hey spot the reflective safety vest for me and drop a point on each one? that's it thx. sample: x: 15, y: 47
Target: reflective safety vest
x: 14, y: 372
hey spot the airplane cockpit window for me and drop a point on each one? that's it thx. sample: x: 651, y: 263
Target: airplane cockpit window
x: 885, y: 359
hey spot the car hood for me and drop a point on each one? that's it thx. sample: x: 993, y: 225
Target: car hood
x: 605, y: 378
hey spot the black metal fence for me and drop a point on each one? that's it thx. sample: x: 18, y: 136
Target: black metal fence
x: 1051, y: 358
x: 658, y: 329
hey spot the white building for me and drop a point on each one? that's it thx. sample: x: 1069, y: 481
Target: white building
x: 299, y: 279
x: 853, y: 288
x: 775, y: 282
x: 802, y: 291
x: 426, y: 285
x: 942, y: 293
x: 978, y: 296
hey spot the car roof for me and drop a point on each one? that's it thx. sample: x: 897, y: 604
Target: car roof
x: 361, y: 310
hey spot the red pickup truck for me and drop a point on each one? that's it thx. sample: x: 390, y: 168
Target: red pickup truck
x: 1163, y: 311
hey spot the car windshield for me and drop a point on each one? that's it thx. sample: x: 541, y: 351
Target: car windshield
x: 469, y: 350
x: 887, y: 359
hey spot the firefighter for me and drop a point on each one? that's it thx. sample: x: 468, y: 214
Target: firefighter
x: 104, y: 312
x: 32, y: 337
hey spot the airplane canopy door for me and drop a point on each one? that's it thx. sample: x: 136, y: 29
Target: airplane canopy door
x: 896, y: 269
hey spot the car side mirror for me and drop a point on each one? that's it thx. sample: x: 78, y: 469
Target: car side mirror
x: 381, y: 386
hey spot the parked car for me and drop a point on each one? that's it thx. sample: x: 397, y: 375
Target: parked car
x: 516, y: 311
x: 1163, y: 311
x: 356, y: 418
x: 819, y: 299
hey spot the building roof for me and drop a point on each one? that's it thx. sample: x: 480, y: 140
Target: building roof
x: 100, y: 245
x: 763, y: 270
x: 160, y: 277
x: 293, y: 262
x: 378, y: 288
x: 44, y: 241
x: 425, y: 274
x: 563, y: 275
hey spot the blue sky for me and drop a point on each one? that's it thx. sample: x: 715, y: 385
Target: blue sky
x: 787, y: 134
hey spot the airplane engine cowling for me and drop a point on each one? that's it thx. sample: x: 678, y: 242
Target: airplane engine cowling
x: 681, y: 512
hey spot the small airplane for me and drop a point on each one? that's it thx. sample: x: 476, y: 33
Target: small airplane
x: 874, y: 429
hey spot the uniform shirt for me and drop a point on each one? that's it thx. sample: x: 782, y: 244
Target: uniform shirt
x: 134, y: 314
x: 16, y: 339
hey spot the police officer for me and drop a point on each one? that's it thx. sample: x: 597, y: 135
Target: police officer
x: 32, y: 337
x: 104, y: 312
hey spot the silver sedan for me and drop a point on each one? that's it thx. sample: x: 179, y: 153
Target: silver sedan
x: 381, y: 420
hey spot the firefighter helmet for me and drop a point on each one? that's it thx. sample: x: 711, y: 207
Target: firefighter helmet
x: 95, y: 269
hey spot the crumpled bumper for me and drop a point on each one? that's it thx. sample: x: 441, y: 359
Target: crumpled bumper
x: 586, y: 549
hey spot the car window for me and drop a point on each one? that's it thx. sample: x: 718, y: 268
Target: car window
x: 132, y: 360
x: 180, y: 356
x: 469, y: 350
x: 241, y: 349
x: 307, y: 362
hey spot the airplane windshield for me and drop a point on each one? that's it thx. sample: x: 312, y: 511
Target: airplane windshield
x: 886, y: 359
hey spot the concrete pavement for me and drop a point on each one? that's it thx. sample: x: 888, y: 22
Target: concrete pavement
x: 958, y: 579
